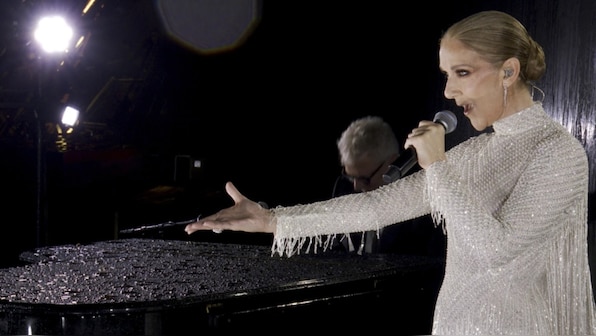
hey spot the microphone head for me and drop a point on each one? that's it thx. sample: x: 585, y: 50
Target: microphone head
x: 447, y: 119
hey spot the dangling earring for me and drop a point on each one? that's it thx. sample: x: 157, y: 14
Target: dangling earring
x: 534, y: 87
x: 504, y: 95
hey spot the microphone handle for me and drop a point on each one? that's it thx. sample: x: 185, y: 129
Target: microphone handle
x: 410, y: 163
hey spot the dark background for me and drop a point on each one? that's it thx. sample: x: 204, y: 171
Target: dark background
x: 263, y: 112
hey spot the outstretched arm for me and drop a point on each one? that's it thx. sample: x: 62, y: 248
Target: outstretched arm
x: 244, y: 215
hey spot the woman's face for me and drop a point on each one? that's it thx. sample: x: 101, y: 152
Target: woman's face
x: 473, y: 83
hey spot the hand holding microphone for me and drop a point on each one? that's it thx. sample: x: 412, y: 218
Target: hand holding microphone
x: 423, y: 145
x: 428, y: 143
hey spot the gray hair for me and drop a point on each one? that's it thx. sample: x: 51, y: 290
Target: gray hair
x: 369, y: 137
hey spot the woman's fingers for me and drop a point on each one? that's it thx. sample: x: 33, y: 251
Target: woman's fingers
x: 429, y: 141
x: 236, y: 196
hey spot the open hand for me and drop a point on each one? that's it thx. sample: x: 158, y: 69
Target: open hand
x: 244, y: 215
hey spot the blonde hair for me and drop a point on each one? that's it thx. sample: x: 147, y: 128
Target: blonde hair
x: 498, y: 36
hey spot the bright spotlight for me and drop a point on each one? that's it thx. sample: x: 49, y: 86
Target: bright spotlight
x: 53, y: 34
x: 70, y: 116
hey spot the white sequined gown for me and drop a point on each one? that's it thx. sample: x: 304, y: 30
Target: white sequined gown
x: 514, y: 206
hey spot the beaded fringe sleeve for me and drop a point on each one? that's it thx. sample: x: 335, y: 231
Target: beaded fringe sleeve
x: 514, y: 206
x: 313, y: 227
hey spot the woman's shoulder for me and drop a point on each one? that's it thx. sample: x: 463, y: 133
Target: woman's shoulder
x: 559, y: 143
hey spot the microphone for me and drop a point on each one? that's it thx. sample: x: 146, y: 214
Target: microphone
x: 395, y: 172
